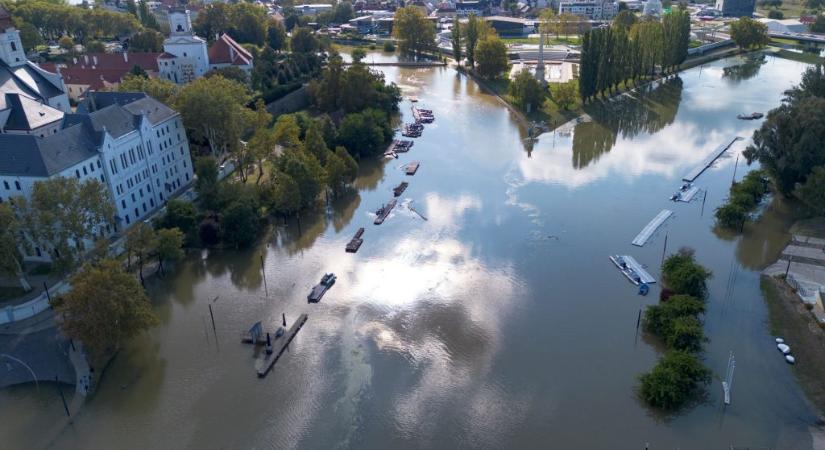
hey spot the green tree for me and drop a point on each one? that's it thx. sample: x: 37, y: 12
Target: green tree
x: 182, y: 215
x: 475, y: 30
x: 360, y: 134
x: 287, y: 133
x: 140, y: 241
x: 414, y: 31
x: 748, y: 33
x: 778, y: 15
x: 138, y: 71
x: 169, y: 246
x: 625, y: 19
x: 147, y: 19
x: 213, y: 20
x: 63, y: 214
x: 812, y: 192
x: 249, y: 23
x: 565, y: 94
x: 232, y: 73
x: 455, y: 39
x: 818, y: 25
x: 95, y: 47
x: 683, y: 275
x: 284, y: 194
x: 131, y: 8
x: 262, y: 143
x: 658, y: 319
x: 157, y: 88
x: 214, y: 111
x: 674, y: 381
x: 240, y: 223
x: 686, y: 334
x: 276, y: 35
x: 66, y: 43
x: 206, y: 181
x: 11, y: 260
x: 358, y: 54
x: 314, y: 143
x: 146, y: 41
x: 105, y: 308
x: 731, y: 215
x: 307, y: 172
x: 491, y: 56
x: 526, y: 91
x: 303, y: 41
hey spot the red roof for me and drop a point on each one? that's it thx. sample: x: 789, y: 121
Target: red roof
x: 226, y: 51
x: 94, y: 78
x: 146, y: 61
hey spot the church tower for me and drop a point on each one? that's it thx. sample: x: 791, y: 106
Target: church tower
x: 11, y: 47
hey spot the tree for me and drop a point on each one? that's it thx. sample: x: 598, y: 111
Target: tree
x: 812, y: 192
x: 491, y: 56
x: 142, y: 241
x: 206, y: 180
x: 157, y: 88
x: 314, y: 143
x: 213, y: 20
x: 276, y: 35
x: 303, y: 41
x: 686, y: 334
x: 526, y: 91
x: 146, y: 41
x: 147, y: 19
x: 625, y: 19
x: 565, y: 94
x: 358, y: 54
x: 474, y: 31
x: 748, y: 33
x: 455, y: 39
x: 658, y: 319
x: 731, y: 215
x: 232, y: 73
x: 284, y: 194
x: 262, y: 143
x: 778, y: 15
x: 287, y: 133
x: 182, y: 215
x: 138, y: 71
x: 11, y: 261
x: 95, y: 47
x: 343, y: 12
x: 787, y: 145
x: 240, y: 223
x: 131, y: 8
x: 105, y: 307
x: 214, y: 111
x: 249, y: 23
x: 361, y: 135
x: 66, y: 43
x: 414, y: 31
x: 63, y: 214
x: 169, y: 246
x: 674, y: 380
x: 682, y: 275
x: 307, y: 172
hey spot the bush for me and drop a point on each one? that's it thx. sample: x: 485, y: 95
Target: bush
x: 182, y: 215
x: 240, y: 223
x: 674, y: 380
x: 775, y: 14
x: 389, y: 46
x: 744, y: 197
x: 683, y: 275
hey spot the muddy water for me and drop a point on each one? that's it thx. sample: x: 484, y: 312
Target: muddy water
x: 497, y: 322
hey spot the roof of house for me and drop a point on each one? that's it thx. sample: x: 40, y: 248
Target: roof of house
x: 146, y: 61
x: 30, y: 80
x: 34, y: 156
x: 137, y: 103
x: 226, y: 51
x: 27, y: 113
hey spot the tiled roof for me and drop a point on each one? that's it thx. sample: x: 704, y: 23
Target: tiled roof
x: 27, y: 113
x: 226, y: 51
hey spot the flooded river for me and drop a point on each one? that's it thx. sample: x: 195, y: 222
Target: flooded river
x: 498, y: 322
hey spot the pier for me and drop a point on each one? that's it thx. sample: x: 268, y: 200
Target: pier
x: 651, y: 227
x: 264, y: 364
x: 384, y: 211
x: 412, y: 168
x: 688, y: 195
x: 694, y: 174
x: 632, y: 270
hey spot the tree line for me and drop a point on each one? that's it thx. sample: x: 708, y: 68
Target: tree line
x: 620, y: 53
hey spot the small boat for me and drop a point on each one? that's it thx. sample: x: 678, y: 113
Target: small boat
x: 629, y: 273
x: 412, y: 168
x: 784, y: 348
x: 751, y: 116
x: 790, y: 359
x: 644, y: 289
x: 355, y: 243
x: 321, y: 288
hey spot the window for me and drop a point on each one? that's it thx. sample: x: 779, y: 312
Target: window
x: 133, y: 197
x: 98, y: 164
x: 102, y: 180
x: 141, y: 192
x: 91, y: 167
x: 144, y: 207
x: 187, y: 177
x: 152, y: 203
x: 137, y: 213
x: 85, y: 172
x: 6, y: 185
x: 17, y: 185
x: 123, y: 204
x: 13, y: 46
x: 37, y: 250
x: 127, y: 219
x: 77, y: 173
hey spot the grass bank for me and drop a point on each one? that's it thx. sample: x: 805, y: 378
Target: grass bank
x: 790, y: 319
x: 805, y: 57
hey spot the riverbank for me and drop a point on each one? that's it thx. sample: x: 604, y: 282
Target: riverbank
x: 791, y: 320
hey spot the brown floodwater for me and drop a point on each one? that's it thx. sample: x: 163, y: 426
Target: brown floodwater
x: 498, y: 322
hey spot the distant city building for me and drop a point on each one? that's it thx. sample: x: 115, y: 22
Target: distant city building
x: 785, y: 26
x: 652, y: 8
x: 736, y: 8
x: 312, y: 9
x: 589, y: 9
x: 510, y: 26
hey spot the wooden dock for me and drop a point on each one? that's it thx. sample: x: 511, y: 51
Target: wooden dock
x: 694, y: 174
x: 264, y: 363
x: 651, y: 227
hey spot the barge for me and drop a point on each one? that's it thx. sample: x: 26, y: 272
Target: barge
x: 412, y: 168
x: 632, y: 270
x: 264, y: 364
x: 398, y: 190
x: 356, y: 241
x: 384, y: 211
x: 321, y: 288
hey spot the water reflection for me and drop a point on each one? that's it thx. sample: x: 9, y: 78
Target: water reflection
x: 648, y: 110
x: 747, y: 70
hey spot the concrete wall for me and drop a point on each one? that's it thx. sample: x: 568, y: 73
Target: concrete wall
x: 292, y: 102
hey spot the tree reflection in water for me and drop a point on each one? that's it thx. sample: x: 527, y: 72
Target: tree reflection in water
x: 647, y: 110
x: 745, y: 71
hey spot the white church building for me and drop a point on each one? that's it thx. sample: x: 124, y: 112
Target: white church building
x: 132, y: 143
x: 186, y: 57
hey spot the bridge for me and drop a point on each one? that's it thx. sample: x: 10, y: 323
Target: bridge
x: 805, y: 37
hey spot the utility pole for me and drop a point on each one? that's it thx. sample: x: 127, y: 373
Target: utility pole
x: 735, y: 166
x: 263, y: 271
x: 664, y: 250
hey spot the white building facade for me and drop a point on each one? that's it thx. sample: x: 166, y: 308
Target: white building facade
x: 185, y: 55
x: 590, y: 9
